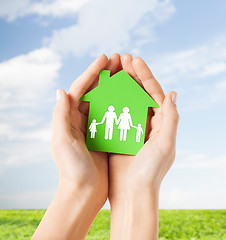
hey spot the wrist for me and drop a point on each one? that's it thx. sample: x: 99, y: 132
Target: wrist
x: 132, y: 188
x: 134, y: 194
x: 137, y: 210
x: 70, y: 213
x: 87, y: 191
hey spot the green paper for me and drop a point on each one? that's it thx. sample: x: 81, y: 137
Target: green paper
x: 117, y: 114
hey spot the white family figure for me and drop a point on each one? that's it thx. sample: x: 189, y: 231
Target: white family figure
x: 93, y: 128
x: 110, y: 116
x: 124, y: 123
x: 139, y: 131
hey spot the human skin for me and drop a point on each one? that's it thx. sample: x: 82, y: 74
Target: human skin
x: 134, y: 181
x: 83, y: 174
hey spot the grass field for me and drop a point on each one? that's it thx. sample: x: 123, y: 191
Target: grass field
x: 173, y: 224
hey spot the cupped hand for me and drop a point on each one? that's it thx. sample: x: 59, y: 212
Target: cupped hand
x: 148, y: 168
x: 78, y: 166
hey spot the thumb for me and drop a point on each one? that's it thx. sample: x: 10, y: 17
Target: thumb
x: 168, y: 130
x: 61, y: 116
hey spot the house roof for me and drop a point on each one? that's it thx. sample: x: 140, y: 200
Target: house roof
x: 119, y: 85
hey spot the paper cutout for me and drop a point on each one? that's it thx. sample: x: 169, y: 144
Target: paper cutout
x: 139, y: 132
x: 109, y: 117
x: 93, y: 128
x: 117, y: 114
x: 124, y: 123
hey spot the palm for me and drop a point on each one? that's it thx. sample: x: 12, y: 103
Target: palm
x: 81, y: 162
x: 142, y: 167
x: 125, y: 170
x: 90, y: 160
x: 75, y: 163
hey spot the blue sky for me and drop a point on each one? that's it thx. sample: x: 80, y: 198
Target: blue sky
x: 45, y: 45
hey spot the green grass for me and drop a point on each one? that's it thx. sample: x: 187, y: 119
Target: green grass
x: 174, y: 224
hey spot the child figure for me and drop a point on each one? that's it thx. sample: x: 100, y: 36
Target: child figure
x: 139, y: 131
x: 93, y: 128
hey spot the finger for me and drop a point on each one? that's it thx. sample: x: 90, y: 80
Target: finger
x: 114, y: 63
x: 126, y: 60
x: 84, y: 107
x: 83, y: 125
x: 119, y: 66
x: 61, y: 116
x: 155, y: 124
x: 84, y: 81
x: 148, y: 124
x: 170, y: 119
x: 149, y: 82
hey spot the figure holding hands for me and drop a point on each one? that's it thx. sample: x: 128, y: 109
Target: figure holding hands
x: 124, y: 123
x: 139, y: 132
x: 93, y: 128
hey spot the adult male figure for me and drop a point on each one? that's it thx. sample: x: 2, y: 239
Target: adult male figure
x: 110, y: 116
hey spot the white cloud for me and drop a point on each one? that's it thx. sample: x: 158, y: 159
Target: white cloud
x: 27, y: 199
x: 24, y: 152
x: 102, y: 25
x: 192, y: 64
x: 24, y: 147
x: 218, y: 93
x: 197, y: 75
x: 57, y: 8
x: 205, y: 197
x: 111, y: 26
x: 196, y: 181
x: 13, y: 9
x: 27, y: 84
x: 199, y: 161
x: 26, y: 78
x: 11, y: 132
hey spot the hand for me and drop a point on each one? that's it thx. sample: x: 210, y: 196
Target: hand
x: 134, y: 181
x: 117, y: 121
x: 78, y: 166
x: 83, y: 184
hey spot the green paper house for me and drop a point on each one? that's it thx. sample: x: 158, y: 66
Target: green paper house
x: 117, y: 114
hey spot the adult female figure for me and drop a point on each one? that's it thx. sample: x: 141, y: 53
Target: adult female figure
x: 125, y: 122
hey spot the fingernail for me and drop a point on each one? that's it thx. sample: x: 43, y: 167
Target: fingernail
x: 58, y: 95
x: 103, y: 54
x: 174, y: 98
